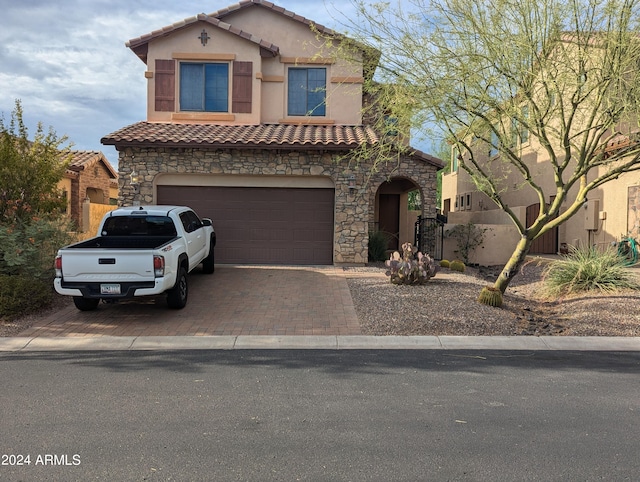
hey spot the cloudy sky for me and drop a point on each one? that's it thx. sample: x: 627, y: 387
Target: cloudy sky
x: 67, y: 62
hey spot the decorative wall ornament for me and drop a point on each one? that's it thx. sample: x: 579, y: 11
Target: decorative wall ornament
x: 204, y: 37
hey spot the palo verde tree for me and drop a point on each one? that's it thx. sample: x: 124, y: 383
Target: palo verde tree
x: 29, y: 170
x: 565, y: 74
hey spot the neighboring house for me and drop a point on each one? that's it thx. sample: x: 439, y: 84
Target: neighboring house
x: 90, y: 177
x: 249, y: 121
x: 611, y: 212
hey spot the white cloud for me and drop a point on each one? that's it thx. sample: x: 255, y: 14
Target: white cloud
x: 68, y: 64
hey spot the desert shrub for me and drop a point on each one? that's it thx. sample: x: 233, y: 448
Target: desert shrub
x: 490, y: 296
x: 411, y: 267
x: 585, y: 269
x: 30, y: 169
x: 29, y: 248
x: 444, y: 263
x: 21, y: 295
x: 468, y: 237
x: 377, y: 246
x: 457, y: 265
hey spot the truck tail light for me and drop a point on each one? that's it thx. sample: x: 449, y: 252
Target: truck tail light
x: 58, y: 266
x: 158, y: 266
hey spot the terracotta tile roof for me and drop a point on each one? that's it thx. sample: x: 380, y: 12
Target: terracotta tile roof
x: 84, y: 159
x: 262, y: 136
x: 251, y: 136
x: 139, y: 44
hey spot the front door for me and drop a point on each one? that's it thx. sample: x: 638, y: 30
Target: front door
x: 390, y: 218
x: 548, y: 242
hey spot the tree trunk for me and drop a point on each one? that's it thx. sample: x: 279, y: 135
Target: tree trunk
x: 514, y: 264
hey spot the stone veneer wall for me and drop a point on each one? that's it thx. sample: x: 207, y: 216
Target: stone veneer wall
x: 353, y: 211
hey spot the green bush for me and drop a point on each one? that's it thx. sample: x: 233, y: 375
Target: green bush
x: 377, y: 246
x: 21, y: 295
x: 457, y: 265
x: 29, y: 248
x: 445, y: 263
x: 586, y: 269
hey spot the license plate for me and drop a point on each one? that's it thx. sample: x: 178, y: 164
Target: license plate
x: 109, y: 289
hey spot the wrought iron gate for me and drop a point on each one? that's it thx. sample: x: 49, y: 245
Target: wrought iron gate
x: 429, y: 235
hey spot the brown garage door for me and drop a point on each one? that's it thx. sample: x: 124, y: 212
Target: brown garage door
x: 263, y: 225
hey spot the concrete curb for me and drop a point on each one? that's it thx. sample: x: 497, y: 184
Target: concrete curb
x: 249, y: 342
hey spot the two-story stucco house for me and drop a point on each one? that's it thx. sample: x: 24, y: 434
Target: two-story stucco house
x: 610, y: 213
x: 249, y: 120
x: 563, y: 137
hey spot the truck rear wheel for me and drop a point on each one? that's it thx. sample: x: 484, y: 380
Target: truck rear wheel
x: 177, y: 296
x: 86, y: 304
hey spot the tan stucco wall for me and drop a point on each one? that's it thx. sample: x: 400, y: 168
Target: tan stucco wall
x: 185, y: 45
x: 295, y: 41
x: 492, y: 252
x: 612, y: 197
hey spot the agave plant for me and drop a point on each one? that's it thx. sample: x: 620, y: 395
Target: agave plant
x: 411, y: 267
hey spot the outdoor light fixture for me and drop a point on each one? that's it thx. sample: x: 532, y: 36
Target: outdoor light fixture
x: 352, y: 184
x: 135, y: 182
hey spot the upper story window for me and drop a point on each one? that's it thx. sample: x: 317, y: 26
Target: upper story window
x: 455, y: 157
x: 204, y: 87
x: 524, y: 131
x: 495, y: 143
x: 307, y: 89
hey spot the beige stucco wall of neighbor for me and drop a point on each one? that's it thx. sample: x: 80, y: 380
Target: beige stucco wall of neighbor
x: 353, y: 210
x: 618, y: 208
x: 499, y: 242
x: 500, y: 239
x: 298, y: 47
x: 612, y: 210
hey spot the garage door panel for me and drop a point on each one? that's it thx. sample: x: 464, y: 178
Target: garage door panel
x: 263, y: 225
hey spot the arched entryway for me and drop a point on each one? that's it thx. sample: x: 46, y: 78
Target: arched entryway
x: 392, y: 214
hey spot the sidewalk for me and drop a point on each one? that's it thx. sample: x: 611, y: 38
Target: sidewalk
x: 358, y: 342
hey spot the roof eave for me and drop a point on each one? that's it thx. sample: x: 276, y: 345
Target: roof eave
x: 140, y: 45
x: 228, y: 145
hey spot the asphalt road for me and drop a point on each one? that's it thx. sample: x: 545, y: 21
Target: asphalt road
x: 320, y: 415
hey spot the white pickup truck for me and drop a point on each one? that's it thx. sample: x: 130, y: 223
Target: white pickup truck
x: 139, y: 251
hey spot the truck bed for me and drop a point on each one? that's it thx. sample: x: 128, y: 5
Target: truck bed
x: 124, y: 242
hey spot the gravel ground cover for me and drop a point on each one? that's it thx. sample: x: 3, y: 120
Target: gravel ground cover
x: 447, y: 305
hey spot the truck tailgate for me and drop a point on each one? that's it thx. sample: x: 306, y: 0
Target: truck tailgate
x: 114, y: 265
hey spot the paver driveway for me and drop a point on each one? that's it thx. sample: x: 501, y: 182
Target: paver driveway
x: 235, y: 300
